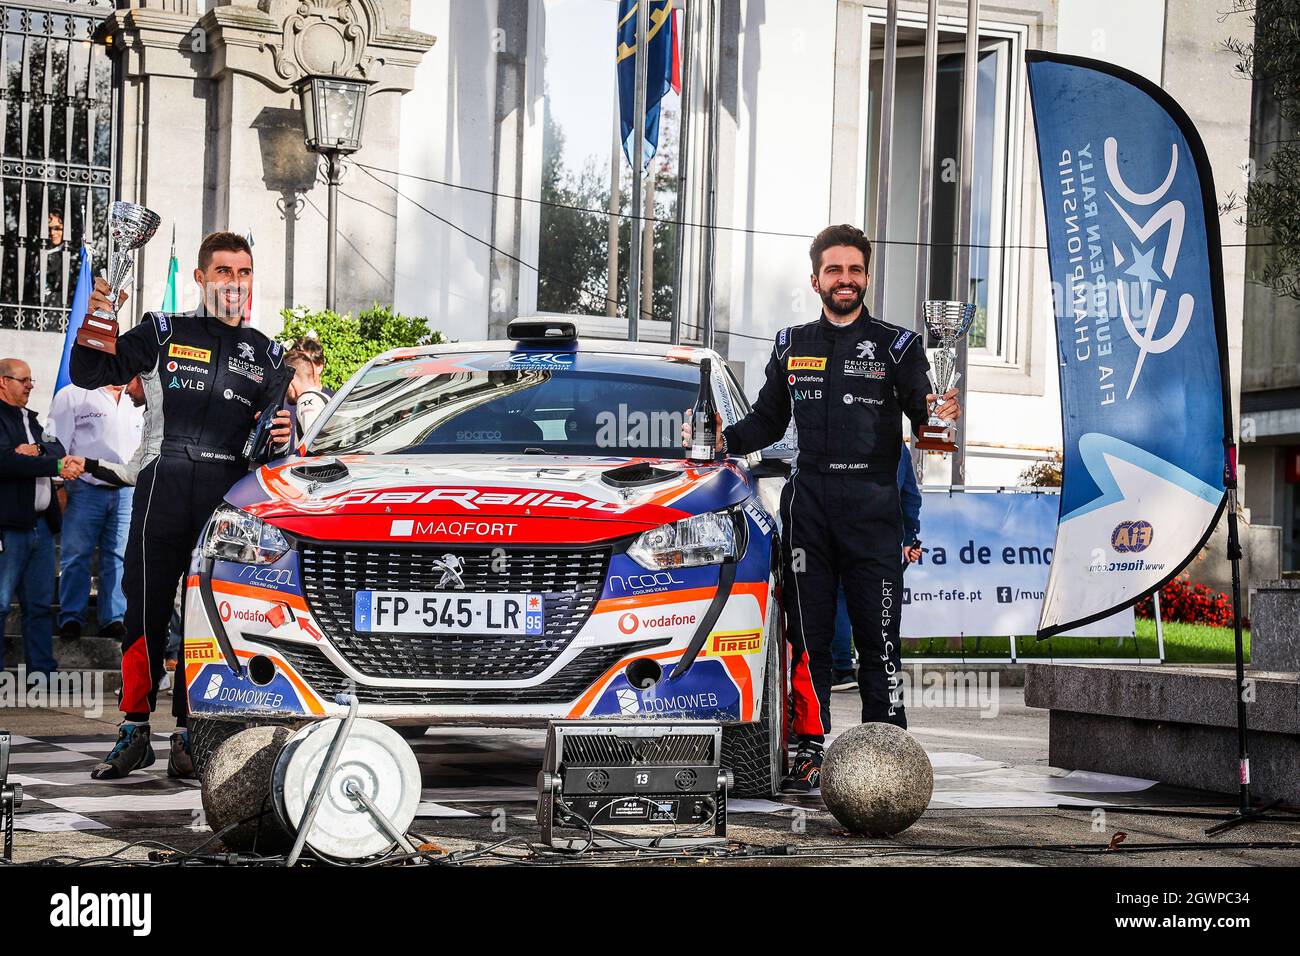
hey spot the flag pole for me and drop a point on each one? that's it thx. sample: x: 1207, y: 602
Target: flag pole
x: 1246, y: 811
x: 638, y: 165
x: 615, y: 204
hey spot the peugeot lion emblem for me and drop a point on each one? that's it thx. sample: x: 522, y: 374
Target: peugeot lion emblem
x: 451, y: 568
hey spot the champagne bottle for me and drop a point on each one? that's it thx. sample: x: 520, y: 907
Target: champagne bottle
x: 704, y: 419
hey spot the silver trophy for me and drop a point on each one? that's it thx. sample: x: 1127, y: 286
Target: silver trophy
x: 947, y: 321
x: 131, y: 226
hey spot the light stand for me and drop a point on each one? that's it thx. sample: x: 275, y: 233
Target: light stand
x: 1246, y: 811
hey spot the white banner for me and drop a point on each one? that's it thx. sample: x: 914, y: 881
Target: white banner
x: 985, y: 567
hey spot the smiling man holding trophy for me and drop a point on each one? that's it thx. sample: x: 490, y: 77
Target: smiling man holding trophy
x: 847, y: 379
x: 207, y: 381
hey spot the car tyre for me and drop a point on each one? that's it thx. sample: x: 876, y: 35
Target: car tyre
x: 756, y: 753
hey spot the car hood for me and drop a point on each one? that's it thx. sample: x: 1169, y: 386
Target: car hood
x: 483, y: 498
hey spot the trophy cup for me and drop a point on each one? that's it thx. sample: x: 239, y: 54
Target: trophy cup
x: 131, y: 227
x: 947, y: 321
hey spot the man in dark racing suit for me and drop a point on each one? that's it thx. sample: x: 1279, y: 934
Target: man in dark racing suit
x: 847, y: 379
x: 206, y: 381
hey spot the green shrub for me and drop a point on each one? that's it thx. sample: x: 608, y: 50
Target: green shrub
x: 349, y: 343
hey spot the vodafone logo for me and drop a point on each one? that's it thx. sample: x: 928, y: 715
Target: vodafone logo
x: 790, y: 379
x: 629, y: 623
x: 670, y: 620
x: 226, y: 612
x: 172, y: 366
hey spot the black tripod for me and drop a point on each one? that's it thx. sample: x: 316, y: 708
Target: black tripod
x: 1247, y: 811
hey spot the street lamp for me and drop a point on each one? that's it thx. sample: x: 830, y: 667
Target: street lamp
x: 333, y: 111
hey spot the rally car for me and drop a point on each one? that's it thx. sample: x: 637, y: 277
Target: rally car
x: 500, y: 534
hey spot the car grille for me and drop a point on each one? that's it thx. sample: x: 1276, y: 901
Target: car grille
x: 566, y: 686
x: 570, y: 582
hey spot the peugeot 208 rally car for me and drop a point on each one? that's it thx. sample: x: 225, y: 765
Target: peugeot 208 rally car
x: 499, y: 533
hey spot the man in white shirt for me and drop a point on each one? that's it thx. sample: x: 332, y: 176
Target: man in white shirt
x: 104, y: 424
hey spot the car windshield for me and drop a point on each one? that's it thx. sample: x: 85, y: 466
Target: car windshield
x: 554, y: 403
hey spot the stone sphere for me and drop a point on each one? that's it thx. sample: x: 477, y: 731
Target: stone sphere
x: 236, y: 781
x: 876, y: 779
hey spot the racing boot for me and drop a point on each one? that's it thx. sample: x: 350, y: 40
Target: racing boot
x: 179, y: 762
x: 133, y: 751
x: 806, y: 771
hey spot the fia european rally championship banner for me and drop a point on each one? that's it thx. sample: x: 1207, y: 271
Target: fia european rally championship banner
x: 985, y: 567
x: 1133, y: 245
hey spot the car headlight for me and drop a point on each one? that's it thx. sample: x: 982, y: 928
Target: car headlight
x: 235, y: 535
x: 703, y: 539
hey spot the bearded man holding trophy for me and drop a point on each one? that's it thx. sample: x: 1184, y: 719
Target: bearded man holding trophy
x: 847, y: 380
x: 207, y: 381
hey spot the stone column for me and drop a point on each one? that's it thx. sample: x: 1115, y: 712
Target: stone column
x: 1275, y: 626
x: 211, y: 138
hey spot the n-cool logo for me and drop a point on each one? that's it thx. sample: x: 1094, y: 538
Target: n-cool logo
x: 1173, y: 214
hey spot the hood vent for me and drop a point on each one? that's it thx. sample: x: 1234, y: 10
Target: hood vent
x: 637, y: 475
x: 324, y: 471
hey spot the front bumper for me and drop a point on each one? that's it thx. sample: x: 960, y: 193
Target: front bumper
x: 297, y: 614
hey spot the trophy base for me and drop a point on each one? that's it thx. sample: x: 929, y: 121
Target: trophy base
x: 935, y: 438
x: 98, y: 334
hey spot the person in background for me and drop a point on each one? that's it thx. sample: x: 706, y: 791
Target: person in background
x: 306, y: 397
x: 845, y: 676
x: 104, y: 424
x: 29, y: 513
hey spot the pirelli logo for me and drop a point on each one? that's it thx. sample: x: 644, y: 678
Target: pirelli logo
x: 728, y: 645
x: 188, y: 352
x: 201, y: 651
x: 809, y: 363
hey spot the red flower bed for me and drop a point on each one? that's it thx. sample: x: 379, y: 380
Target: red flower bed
x: 1188, y: 603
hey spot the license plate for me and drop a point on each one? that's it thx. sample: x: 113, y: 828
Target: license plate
x: 437, y: 612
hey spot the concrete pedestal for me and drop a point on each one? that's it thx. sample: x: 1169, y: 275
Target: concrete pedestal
x: 1169, y: 723
x: 1275, y: 635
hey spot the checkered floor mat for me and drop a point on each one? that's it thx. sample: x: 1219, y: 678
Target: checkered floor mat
x: 473, y: 772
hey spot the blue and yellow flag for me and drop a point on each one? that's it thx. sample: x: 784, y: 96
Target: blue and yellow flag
x: 80, y: 305
x: 662, y: 71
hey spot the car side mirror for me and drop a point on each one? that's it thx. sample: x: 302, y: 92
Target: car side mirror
x: 771, y: 468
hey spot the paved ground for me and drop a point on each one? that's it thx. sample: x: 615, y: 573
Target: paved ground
x: 996, y: 801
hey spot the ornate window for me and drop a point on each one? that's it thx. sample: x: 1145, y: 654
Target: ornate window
x: 56, y: 156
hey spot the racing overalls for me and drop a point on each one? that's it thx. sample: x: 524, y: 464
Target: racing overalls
x: 204, y: 383
x: 847, y: 389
